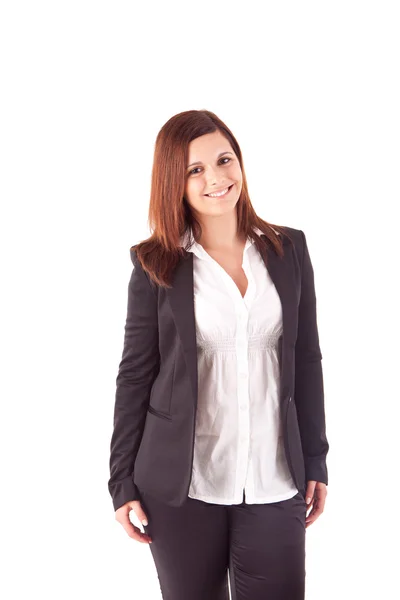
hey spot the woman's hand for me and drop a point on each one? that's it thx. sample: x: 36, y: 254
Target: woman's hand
x: 122, y: 516
x: 315, y: 497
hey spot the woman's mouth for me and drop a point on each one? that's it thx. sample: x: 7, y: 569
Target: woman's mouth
x: 221, y: 194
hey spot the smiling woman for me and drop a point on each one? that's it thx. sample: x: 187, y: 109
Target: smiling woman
x: 219, y: 426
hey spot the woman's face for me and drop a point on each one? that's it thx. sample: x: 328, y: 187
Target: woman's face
x: 218, y: 168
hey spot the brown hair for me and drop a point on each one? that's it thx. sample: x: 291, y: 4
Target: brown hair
x: 170, y: 215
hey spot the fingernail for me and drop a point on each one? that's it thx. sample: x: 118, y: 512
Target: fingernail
x: 308, y: 500
x: 144, y: 522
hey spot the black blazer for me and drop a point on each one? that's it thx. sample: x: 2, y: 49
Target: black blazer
x: 156, y: 396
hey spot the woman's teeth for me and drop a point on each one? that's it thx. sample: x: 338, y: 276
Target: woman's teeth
x: 217, y: 195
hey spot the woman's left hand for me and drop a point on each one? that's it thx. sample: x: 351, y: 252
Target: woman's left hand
x: 316, y: 493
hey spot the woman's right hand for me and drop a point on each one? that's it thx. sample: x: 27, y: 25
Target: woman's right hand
x: 122, y: 516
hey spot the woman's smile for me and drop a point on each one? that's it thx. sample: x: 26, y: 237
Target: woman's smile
x: 221, y: 194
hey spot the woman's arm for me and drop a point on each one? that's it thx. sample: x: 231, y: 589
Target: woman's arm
x: 309, y: 388
x: 137, y: 370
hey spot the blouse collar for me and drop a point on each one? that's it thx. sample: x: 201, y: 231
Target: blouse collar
x: 198, y: 249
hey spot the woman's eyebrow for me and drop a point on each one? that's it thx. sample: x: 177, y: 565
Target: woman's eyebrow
x: 199, y: 161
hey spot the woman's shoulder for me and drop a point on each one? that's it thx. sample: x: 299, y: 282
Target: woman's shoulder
x: 291, y: 235
x: 292, y: 231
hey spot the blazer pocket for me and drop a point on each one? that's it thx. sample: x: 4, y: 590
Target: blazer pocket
x: 157, y: 413
x: 161, y: 391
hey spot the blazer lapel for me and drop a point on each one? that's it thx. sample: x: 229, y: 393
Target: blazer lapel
x: 282, y: 273
x: 181, y: 299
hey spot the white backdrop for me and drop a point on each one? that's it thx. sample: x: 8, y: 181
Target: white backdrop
x: 311, y: 91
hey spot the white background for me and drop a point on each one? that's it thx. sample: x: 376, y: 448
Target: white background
x: 311, y: 91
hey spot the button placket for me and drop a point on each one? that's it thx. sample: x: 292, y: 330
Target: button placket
x: 242, y: 391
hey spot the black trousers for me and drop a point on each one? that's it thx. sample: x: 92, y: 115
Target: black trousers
x: 198, y: 546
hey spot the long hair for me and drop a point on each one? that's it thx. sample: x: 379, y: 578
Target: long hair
x: 170, y: 216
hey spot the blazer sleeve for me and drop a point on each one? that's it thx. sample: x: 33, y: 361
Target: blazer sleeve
x: 138, y: 368
x: 309, y: 387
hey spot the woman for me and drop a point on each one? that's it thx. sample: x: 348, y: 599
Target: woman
x: 219, y: 442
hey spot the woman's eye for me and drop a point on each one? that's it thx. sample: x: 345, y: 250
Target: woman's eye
x: 224, y: 158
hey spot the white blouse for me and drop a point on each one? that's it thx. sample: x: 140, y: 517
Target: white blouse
x: 238, y: 445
